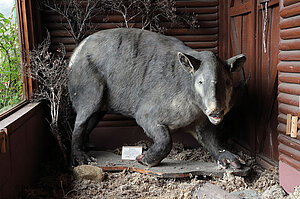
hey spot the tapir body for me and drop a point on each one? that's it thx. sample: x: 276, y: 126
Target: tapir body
x: 156, y: 79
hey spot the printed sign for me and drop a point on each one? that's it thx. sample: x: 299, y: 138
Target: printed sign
x: 131, y: 152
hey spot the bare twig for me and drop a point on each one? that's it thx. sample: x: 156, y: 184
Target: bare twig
x: 51, y: 72
x: 77, y: 13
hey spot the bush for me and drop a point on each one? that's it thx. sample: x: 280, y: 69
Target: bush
x: 11, y: 87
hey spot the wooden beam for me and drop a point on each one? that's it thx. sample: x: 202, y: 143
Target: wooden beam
x: 3, y: 141
x: 288, y: 124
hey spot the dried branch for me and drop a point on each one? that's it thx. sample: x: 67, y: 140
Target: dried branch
x: 151, y: 13
x: 77, y: 13
x: 51, y: 72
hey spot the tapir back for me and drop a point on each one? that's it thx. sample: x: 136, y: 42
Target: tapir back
x: 135, y: 65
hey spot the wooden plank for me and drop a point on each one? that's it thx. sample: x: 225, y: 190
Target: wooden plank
x: 166, y: 169
x: 64, y: 40
x: 282, y: 118
x: 292, y: 162
x: 290, y: 22
x: 198, y: 3
x: 291, y: 44
x: 114, y: 117
x: 199, y: 10
x: 214, y: 50
x: 207, y: 17
x: 285, y: 108
x: 198, y: 45
x: 241, y: 9
x: 287, y: 140
x: 289, y: 66
x: 294, y: 126
x: 289, y: 77
x: 289, y: 151
x: 289, y: 55
x: 68, y: 47
x: 289, y: 2
x: 200, y: 31
x: 288, y: 124
x: 288, y: 99
x: 281, y: 128
x: 293, y: 33
x: 120, y: 123
x: 290, y: 11
x: 197, y: 38
x: 289, y: 88
x: 208, y: 24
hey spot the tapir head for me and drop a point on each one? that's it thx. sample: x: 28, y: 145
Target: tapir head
x: 212, y: 81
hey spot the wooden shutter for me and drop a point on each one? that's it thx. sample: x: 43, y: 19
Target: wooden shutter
x: 203, y: 38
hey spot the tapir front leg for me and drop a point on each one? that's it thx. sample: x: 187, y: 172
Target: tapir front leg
x: 207, y: 136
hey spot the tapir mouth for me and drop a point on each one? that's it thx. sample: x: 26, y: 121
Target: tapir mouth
x: 216, y: 116
x: 215, y: 120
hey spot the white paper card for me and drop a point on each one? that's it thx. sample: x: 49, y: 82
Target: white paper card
x: 130, y: 152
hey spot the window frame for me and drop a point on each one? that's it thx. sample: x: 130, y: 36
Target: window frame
x: 27, y: 37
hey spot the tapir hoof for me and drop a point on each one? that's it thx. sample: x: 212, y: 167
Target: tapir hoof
x: 227, y: 158
x: 139, y: 158
x: 80, y: 158
x: 142, y: 160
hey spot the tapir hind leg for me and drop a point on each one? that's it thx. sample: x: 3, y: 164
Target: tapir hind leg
x: 86, y: 103
x: 92, y: 123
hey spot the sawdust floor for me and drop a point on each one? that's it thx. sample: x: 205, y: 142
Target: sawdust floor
x: 58, y: 184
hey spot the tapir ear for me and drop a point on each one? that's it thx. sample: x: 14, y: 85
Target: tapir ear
x: 236, y: 63
x: 189, y: 63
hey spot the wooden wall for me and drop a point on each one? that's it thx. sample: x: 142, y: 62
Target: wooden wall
x: 289, y: 80
x: 28, y: 144
x: 203, y: 38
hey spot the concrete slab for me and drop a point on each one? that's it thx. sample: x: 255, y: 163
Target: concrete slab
x: 168, y: 168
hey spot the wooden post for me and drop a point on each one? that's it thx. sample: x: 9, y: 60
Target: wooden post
x: 288, y: 124
x: 294, y: 126
x: 3, y: 141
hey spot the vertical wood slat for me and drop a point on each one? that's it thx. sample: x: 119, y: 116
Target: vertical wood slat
x: 3, y: 141
x: 294, y: 126
x: 27, y: 39
x: 288, y: 124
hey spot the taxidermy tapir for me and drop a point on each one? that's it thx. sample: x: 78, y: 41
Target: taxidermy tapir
x: 156, y: 79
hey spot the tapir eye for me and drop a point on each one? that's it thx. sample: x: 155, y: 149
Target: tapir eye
x: 200, y: 82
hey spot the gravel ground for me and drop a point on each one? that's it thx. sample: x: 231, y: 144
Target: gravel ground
x: 58, y: 184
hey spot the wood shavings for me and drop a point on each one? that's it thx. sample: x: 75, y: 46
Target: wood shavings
x: 125, y: 184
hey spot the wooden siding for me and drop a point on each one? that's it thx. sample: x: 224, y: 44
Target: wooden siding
x: 289, y: 80
x: 203, y: 38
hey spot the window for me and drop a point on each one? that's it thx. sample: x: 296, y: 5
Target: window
x: 11, y: 80
x: 26, y: 21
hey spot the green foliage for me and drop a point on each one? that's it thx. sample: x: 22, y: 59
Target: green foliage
x: 11, y: 87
